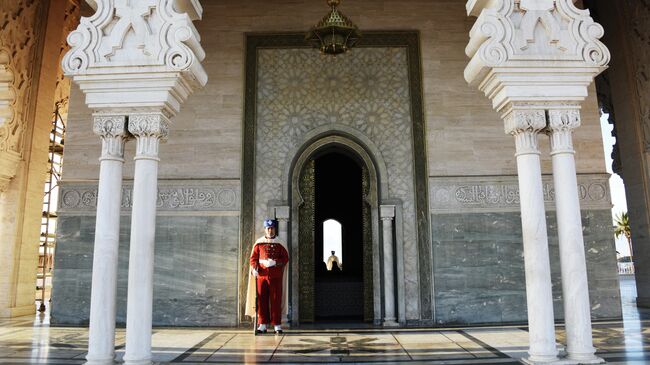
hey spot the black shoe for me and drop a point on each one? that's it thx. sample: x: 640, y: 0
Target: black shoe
x: 278, y: 332
x: 260, y: 331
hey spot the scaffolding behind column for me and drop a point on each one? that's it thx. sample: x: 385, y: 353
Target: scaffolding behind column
x: 50, y: 202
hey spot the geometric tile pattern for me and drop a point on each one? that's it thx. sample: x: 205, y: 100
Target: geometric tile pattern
x: 299, y: 90
x: 25, y: 343
x: 30, y: 340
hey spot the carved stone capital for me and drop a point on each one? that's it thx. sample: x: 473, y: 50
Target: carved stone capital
x: 387, y: 212
x: 525, y: 125
x: 113, y: 133
x: 149, y: 130
x: 561, y: 124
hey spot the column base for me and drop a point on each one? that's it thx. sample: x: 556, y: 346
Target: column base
x: 99, y: 361
x: 390, y: 322
x: 589, y: 358
x: 541, y: 360
x: 138, y: 362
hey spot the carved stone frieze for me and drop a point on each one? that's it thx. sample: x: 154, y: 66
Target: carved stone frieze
x: 495, y: 194
x: 113, y: 133
x: 173, y: 196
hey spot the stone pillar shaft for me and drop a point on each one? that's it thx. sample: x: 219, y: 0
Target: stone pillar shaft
x: 101, y: 336
x: 575, y: 290
x: 283, y: 215
x: 387, y: 216
x: 148, y: 129
x: 525, y: 126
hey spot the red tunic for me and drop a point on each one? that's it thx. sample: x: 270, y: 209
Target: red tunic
x: 269, y: 281
x: 265, y: 251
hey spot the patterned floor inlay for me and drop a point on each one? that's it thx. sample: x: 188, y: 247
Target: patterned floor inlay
x: 31, y: 340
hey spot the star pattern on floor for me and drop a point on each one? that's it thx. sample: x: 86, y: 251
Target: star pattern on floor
x: 338, y: 346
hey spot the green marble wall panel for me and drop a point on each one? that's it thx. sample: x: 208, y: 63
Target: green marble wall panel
x: 479, y: 267
x: 195, y: 275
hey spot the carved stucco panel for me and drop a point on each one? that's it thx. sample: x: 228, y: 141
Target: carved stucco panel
x: 298, y: 91
x: 18, y: 39
x: 18, y: 42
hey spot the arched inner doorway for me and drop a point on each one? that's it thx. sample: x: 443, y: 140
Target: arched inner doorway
x: 339, y: 198
x: 334, y: 180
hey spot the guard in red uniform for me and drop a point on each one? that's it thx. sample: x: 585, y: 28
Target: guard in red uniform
x: 268, y: 260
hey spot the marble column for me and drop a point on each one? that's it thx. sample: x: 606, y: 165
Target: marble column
x: 525, y: 126
x: 101, y: 334
x: 575, y: 291
x: 387, y: 215
x: 149, y: 130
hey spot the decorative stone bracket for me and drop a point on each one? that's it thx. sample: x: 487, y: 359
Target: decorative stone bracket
x: 533, y: 51
x: 137, y: 54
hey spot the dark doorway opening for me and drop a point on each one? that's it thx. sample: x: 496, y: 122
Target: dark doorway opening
x: 339, y: 292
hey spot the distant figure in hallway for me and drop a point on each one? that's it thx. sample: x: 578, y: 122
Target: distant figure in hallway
x: 268, y: 277
x: 332, y: 260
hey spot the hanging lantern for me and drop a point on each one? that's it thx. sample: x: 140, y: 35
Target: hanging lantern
x: 334, y: 34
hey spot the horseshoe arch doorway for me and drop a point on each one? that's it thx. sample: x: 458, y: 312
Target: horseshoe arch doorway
x: 335, y: 179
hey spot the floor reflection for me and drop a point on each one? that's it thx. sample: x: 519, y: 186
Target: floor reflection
x: 31, y: 340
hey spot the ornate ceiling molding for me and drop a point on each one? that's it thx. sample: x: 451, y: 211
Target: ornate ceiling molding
x: 151, y: 44
x: 533, y: 50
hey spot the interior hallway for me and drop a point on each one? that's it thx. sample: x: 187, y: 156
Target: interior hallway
x: 30, y: 340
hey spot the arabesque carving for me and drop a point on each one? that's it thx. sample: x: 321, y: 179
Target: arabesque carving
x: 113, y: 132
x: 62, y: 91
x: 525, y: 125
x: 137, y: 55
x: 137, y: 33
x: 508, y: 31
x: 18, y: 40
x: 149, y: 130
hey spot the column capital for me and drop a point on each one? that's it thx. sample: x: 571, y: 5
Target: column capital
x: 560, y: 128
x: 283, y: 213
x: 525, y: 125
x: 149, y: 130
x: 387, y: 212
x: 112, y: 129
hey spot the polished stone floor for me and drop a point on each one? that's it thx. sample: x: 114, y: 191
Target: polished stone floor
x: 31, y: 340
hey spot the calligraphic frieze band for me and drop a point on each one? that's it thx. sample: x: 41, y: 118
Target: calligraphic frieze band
x: 173, y: 196
x: 490, y: 194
